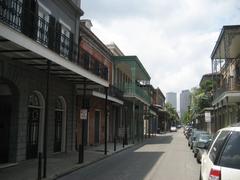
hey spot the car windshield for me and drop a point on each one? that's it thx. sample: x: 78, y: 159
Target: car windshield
x: 204, y: 137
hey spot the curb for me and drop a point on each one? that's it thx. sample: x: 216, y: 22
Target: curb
x: 80, y: 166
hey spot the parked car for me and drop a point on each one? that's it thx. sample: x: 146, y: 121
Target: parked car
x: 185, y: 129
x: 201, y: 148
x: 193, y: 136
x: 179, y: 126
x: 222, y: 160
x: 173, y: 129
x: 189, y: 132
x: 203, y: 136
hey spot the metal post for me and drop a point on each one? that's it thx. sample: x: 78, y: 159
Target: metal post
x: 46, y: 122
x: 105, y: 134
x: 229, y: 120
x: 149, y: 122
x: 81, y: 146
x: 39, y: 166
x: 115, y: 143
x: 115, y: 127
x: 126, y: 130
x: 133, y: 123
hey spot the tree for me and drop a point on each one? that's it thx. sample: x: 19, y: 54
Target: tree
x: 201, y: 98
x: 173, y: 116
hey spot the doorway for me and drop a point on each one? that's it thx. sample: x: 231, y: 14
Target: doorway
x: 35, y: 125
x: 5, y: 119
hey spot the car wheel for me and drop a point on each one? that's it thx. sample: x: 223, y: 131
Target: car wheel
x: 195, y: 155
x: 191, y: 147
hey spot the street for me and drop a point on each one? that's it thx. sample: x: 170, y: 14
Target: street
x: 165, y: 157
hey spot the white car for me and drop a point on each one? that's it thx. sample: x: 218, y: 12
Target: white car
x: 173, y: 129
x: 222, y: 160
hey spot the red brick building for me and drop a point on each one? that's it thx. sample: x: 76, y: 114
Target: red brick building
x: 96, y: 57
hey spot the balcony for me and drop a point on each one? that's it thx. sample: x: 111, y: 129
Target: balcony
x: 112, y: 91
x: 48, y: 33
x: 134, y: 90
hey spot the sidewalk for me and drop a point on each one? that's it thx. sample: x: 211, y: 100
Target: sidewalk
x: 59, y: 164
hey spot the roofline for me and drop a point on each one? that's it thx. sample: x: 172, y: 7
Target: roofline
x: 221, y: 36
x: 96, y: 40
x: 133, y: 58
x: 115, y: 46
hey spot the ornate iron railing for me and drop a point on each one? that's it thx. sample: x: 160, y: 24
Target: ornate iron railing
x: 134, y: 90
x: 46, y: 32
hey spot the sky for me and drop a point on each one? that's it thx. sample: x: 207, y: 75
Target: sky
x: 172, y: 38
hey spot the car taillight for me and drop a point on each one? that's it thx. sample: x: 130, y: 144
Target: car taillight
x: 215, y: 174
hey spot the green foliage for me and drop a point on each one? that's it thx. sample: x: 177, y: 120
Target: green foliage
x: 186, y: 117
x: 173, y: 116
x: 201, y: 98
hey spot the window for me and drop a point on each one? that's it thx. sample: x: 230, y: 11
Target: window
x: 43, y: 23
x: 65, y: 42
x: 217, y: 146
x: 58, y: 125
x: 33, y: 125
x: 231, y: 154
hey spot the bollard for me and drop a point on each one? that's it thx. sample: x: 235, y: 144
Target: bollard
x: 39, y: 166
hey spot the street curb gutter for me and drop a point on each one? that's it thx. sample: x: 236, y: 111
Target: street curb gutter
x: 80, y: 166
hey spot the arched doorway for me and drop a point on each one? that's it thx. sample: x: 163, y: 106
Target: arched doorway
x: 35, y: 124
x: 60, y: 125
x: 6, y: 99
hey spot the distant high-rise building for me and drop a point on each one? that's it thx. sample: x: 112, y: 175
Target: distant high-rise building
x: 185, y: 99
x: 171, y: 97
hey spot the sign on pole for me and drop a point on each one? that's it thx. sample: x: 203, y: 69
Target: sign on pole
x: 207, y: 116
x: 83, y: 114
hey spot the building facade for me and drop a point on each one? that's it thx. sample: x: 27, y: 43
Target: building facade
x: 40, y: 69
x: 96, y: 57
x: 226, y: 71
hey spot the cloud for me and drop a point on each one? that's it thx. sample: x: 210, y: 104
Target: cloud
x: 173, y: 39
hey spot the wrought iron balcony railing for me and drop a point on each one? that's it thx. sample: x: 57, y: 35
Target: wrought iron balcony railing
x: 46, y: 31
x: 112, y: 91
x: 134, y: 90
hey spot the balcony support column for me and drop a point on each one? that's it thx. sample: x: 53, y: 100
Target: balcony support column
x: 214, y: 119
x: 84, y: 106
x: 222, y: 115
x: 106, y: 119
x: 228, y: 120
x: 46, y: 122
x: 133, y: 122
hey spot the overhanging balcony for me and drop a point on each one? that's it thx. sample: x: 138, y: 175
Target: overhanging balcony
x: 227, y: 94
x: 134, y: 91
x: 31, y: 39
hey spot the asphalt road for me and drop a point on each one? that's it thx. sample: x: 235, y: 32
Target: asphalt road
x: 165, y: 157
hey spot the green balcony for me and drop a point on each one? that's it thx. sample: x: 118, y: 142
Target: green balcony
x: 132, y: 90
